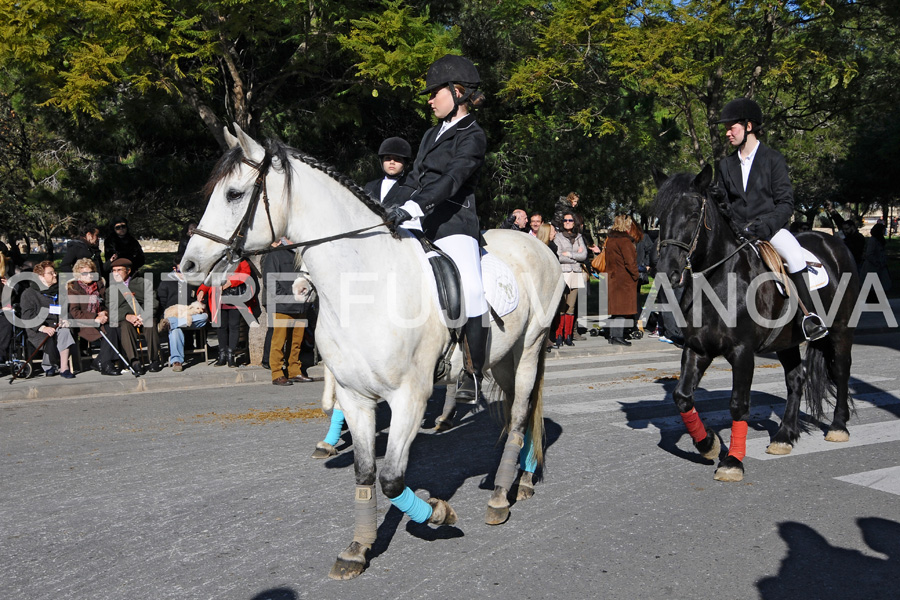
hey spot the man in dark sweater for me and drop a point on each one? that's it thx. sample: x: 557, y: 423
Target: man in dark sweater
x: 287, y: 317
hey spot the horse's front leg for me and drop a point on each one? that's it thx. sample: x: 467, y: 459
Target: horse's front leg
x: 406, y: 415
x: 693, y: 365
x: 360, y: 415
x: 731, y: 468
x: 789, y: 432
x: 840, y: 363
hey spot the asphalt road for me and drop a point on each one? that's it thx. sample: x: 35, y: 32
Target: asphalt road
x: 211, y: 493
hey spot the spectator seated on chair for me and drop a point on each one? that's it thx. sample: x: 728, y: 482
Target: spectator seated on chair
x: 87, y: 310
x: 40, y: 306
x: 181, y: 310
x: 126, y: 298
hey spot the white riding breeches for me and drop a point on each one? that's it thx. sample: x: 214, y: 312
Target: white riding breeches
x: 789, y: 249
x: 464, y: 251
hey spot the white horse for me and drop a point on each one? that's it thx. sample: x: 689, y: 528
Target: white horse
x: 379, y: 329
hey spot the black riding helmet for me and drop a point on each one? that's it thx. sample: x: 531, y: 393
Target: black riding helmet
x: 395, y: 146
x: 742, y: 110
x: 451, y: 70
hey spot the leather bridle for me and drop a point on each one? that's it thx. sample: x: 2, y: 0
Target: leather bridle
x: 690, y: 248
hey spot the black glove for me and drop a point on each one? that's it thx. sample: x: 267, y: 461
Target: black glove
x: 718, y: 195
x: 397, y: 215
x: 759, y: 229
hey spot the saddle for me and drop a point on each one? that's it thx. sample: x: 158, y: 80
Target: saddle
x: 818, y: 277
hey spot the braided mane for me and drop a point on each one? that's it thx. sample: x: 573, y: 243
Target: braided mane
x: 232, y: 159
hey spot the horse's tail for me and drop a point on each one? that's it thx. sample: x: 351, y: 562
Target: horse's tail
x: 536, y: 419
x: 819, y: 385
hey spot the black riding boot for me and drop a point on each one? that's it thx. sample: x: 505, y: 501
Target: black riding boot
x: 468, y: 387
x: 812, y: 326
x: 229, y: 353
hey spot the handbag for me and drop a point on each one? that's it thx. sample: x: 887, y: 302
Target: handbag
x: 599, y: 262
x: 235, y: 290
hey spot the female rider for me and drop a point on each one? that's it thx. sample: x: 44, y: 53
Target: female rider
x: 444, y: 177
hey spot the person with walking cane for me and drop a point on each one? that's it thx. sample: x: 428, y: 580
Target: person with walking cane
x: 88, y: 312
x: 126, y: 298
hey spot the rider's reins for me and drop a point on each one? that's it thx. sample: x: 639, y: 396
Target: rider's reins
x: 235, y: 244
x: 689, y: 248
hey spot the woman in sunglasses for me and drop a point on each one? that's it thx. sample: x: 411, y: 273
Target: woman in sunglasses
x: 572, y: 250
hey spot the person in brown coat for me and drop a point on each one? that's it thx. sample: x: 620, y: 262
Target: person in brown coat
x: 622, y: 275
x: 87, y: 310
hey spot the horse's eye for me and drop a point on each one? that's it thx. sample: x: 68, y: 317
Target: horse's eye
x: 233, y: 195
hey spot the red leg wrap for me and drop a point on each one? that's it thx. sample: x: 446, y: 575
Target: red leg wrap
x: 570, y: 324
x: 694, y: 425
x: 561, y: 327
x: 738, y: 446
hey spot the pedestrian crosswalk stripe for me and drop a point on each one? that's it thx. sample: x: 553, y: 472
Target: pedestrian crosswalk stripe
x: 860, y: 435
x: 884, y: 480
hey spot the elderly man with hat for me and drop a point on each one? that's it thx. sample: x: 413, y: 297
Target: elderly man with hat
x: 126, y: 298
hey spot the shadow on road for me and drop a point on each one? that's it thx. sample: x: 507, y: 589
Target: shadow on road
x: 813, y: 568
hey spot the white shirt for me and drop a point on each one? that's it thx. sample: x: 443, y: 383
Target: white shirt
x: 746, y: 163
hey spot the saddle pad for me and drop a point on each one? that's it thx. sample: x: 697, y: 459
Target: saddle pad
x: 818, y: 276
x: 500, y: 288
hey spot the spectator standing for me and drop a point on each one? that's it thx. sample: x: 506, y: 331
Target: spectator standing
x: 86, y: 293
x: 517, y: 221
x: 41, y: 301
x: 186, y: 234
x: 121, y: 244
x: 875, y: 257
x: 622, y: 275
x: 85, y: 245
x: 535, y: 222
x: 126, y: 298
x: 855, y: 241
x: 174, y: 289
x: 571, y: 250
x: 286, y: 317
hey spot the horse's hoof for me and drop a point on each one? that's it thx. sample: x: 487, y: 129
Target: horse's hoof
x: 442, y: 424
x: 525, y: 486
x: 324, y: 450
x: 710, y: 447
x: 350, y: 563
x: 837, y: 435
x: 729, y: 469
x: 496, y: 516
x: 779, y: 448
x: 441, y: 512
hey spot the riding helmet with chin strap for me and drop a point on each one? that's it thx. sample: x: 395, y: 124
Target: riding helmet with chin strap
x: 449, y: 71
x: 395, y: 146
x: 742, y: 110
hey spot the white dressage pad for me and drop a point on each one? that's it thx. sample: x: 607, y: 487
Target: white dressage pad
x: 500, y: 287
x: 819, y: 279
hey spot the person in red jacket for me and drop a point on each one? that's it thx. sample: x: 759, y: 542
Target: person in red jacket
x: 236, y: 297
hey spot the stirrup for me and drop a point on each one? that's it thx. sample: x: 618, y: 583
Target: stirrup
x: 467, y: 389
x: 816, y: 331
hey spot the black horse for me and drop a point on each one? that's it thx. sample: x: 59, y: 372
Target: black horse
x: 698, y: 243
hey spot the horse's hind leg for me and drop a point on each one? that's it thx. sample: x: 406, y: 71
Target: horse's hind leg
x: 839, y: 366
x: 360, y: 414
x: 789, y: 432
x: 518, y: 380
x: 693, y: 366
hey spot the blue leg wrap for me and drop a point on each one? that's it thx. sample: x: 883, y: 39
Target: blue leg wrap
x: 334, y: 431
x: 417, y: 509
x: 526, y: 455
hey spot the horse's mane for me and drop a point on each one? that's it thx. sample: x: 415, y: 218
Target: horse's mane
x: 233, y: 157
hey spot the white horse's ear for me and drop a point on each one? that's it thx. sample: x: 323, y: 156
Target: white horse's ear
x: 230, y: 139
x: 252, y: 149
